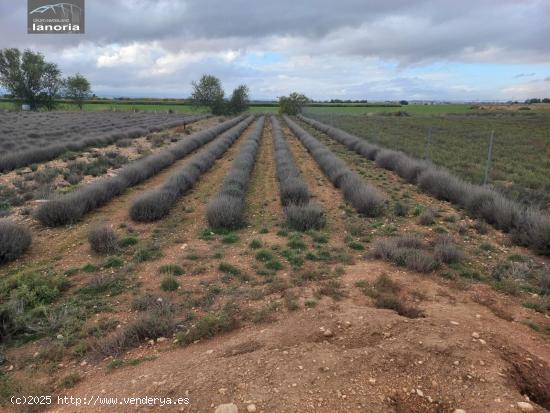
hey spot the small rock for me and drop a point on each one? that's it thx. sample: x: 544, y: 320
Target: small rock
x: 459, y: 411
x: 60, y: 336
x: 83, y: 363
x: 482, y: 341
x: 372, y: 381
x: 475, y: 334
x: 456, y: 362
x: 209, y: 351
x: 152, y: 342
x: 161, y: 339
x: 222, y: 390
x: 525, y: 407
x: 251, y: 408
x: 455, y: 323
x: 420, y: 392
x: 348, y: 323
x: 328, y: 333
x: 227, y: 408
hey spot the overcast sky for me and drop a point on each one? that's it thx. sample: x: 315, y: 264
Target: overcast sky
x: 348, y: 49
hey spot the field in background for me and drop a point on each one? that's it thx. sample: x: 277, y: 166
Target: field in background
x: 521, y: 155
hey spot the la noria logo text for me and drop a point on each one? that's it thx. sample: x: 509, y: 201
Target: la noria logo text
x: 55, y: 28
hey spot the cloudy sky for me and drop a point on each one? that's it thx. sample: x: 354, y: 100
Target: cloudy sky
x: 348, y: 49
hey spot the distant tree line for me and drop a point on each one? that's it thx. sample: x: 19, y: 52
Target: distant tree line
x: 537, y: 100
x: 208, y: 91
x: 28, y: 77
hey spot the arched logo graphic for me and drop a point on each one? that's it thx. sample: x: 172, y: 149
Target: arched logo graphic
x: 45, y: 16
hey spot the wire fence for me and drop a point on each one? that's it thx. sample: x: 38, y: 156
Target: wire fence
x: 509, y: 152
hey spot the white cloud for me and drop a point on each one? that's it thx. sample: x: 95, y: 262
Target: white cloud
x: 377, y: 49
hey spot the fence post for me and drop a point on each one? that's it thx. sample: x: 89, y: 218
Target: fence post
x: 489, y: 158
x: 428, y: 142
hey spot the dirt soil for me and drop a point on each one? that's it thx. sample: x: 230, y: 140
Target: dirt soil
x: 472, y: 350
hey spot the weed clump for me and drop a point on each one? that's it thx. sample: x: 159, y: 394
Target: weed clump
x: 406, y: 251
x: 446, y: 250
x: 103, y: 240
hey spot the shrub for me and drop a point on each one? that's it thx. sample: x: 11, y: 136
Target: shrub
x: 229, y: 269
x: 264, y: 256
x: 15, y: 239
x: 401, y: 209
x: 294, y: 191
x: 255, y: 244
x: 171, y: 269
x: 155, y: 323
x: 152, y: 206
x: 420, y: 261
x: 169, y: 283
x: 447, y: 251
x: 209, y: 326
x: 144, y: 302
x: 305, y: 217
x: 364, y: 198
x: 426, y: 217
x: 225, y: 211
x: 128, y: 241
x: 405, y: 251
x: 393, y: 302
x: 533, y: 230
x: 103, y: 240
x: 58, y: 211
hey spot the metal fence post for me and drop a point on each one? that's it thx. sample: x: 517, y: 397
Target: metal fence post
x: 489, y: 158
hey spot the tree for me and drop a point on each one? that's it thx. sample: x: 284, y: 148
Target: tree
x: 77, y: 89
x: 403, y: 102
x: 29, y: 77
x: 292, y: 104
x: 52, y: 86
x: 239, y: 99
x: 208, y: 92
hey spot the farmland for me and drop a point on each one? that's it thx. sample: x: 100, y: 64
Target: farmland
x: 281, y: 252
x: 460, y: 142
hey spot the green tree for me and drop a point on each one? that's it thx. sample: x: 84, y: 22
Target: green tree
x: 292, y: 104
x: 52, y: 86
x: 239, y: 99
x: 77, y: 89
x: 29, y: 77
x: 208, y: 92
